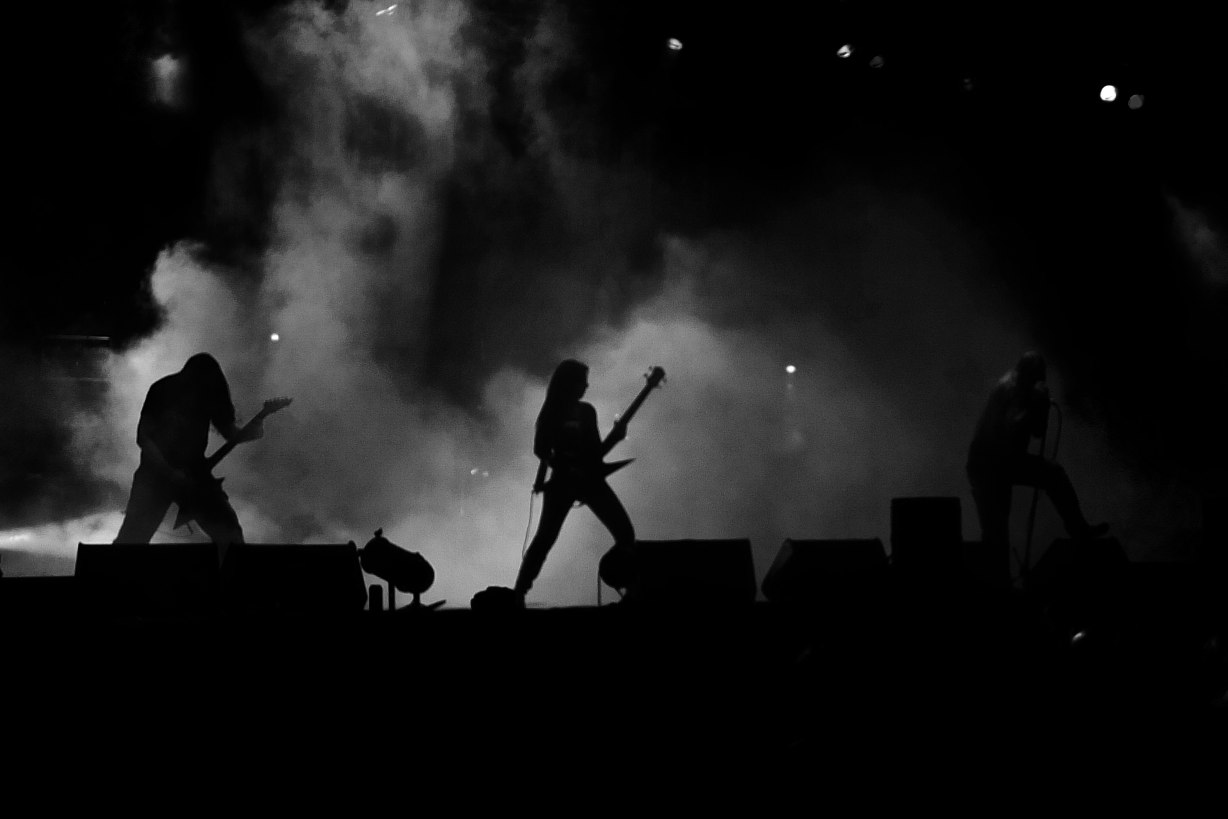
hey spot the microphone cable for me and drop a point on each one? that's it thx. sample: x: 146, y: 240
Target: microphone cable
x: 528, y: 527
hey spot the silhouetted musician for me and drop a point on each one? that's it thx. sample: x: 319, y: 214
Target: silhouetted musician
x: 172, y: 433
x: 568, y: 443
x: 998, y: 459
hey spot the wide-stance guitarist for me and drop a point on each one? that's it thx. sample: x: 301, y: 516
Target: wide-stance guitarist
x: 172, y: 434
x: 567, y: 441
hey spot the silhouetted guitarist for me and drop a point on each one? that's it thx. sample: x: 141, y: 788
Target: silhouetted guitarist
x: 568, y: 443
x: 172, y: 434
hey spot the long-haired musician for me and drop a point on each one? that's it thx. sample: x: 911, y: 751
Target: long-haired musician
x: 568, y: 442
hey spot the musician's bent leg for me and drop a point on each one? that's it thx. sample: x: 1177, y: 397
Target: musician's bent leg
x: 609, y: 510
x: 1034, y: 470
x: 218, y: 519
x: 555, y: 506
x: 147, y: 505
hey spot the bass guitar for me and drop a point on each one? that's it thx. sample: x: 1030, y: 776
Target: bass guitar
x: 186, y: 510
x: 654, y: 377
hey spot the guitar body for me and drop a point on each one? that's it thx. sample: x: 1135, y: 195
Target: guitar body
x: 576, y: 477
x: 205, y: 484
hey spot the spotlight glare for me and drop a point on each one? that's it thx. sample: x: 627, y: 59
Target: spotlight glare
x: 675, y: 44
x: 390, y: 10
x: 844, y: 52
x: 1108, y: 93
x: 790, y: 369
x: 275, y: 337
x: 1136, y: 102
x: 166, y: 78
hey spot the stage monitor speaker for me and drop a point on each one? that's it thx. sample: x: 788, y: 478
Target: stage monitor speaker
x: 147, y: 579
x: 926, y: 534
x: 807, y: 571
x: 294, y: 578
x: 677, y: 573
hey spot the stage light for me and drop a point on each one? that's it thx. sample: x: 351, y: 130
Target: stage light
x: 166, y: 76
x: 1136, y: 102
x: 275, y: 337
x: 1108, y: 93
x: 877, y: 61
x: 1078, y: 638
x: 844, y: 52
x: 403, y: 570
x: 386, y: 11
x: 790, y: 369
x: 675, y: 44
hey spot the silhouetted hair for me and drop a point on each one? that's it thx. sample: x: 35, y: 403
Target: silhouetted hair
x: 206, y: 374
x: 1031, y: 366
x: 566, y: 375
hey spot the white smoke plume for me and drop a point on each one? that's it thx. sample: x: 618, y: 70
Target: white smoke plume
x: 879, y: 298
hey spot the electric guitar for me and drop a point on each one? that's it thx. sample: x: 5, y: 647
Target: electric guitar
x: 601, y: 469
x: 186, y: 512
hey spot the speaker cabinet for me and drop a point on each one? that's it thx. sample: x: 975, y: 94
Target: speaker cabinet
x: 676, y: 573
x: 294, y: 578
x: 806, y: 572
x: 146, y: 579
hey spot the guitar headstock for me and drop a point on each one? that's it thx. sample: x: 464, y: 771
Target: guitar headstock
x: 275, y: 404
x: 655, y: 376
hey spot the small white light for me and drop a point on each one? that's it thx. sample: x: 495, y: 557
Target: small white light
x: 675, y: 44
x: 275, y: 337
x: 473, y: 471
x: 388, y: 10
x: 1136, y: 102
x: 790, y: 369
x: 844, y: 52
x: 1108, y: 93
x: 166, y: 74
x: 1078, y: 638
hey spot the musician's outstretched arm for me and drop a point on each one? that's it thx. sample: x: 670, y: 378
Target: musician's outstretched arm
x: 232, y: 432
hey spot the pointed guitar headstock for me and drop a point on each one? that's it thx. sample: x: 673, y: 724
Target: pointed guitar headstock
x: 275, y: 405
x: 655, y: 377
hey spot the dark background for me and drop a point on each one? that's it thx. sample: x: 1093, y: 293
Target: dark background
x: 1004, y: 100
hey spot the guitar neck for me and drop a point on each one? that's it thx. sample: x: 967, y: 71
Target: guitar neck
x: 224, y: 450
x: 625, y: 418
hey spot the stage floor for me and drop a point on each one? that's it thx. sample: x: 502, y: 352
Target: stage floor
x: 887, y: 672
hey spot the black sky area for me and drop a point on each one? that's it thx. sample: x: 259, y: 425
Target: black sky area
x: 739, y: 125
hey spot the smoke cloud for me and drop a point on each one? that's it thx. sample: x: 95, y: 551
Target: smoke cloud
x: 424, y: 275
